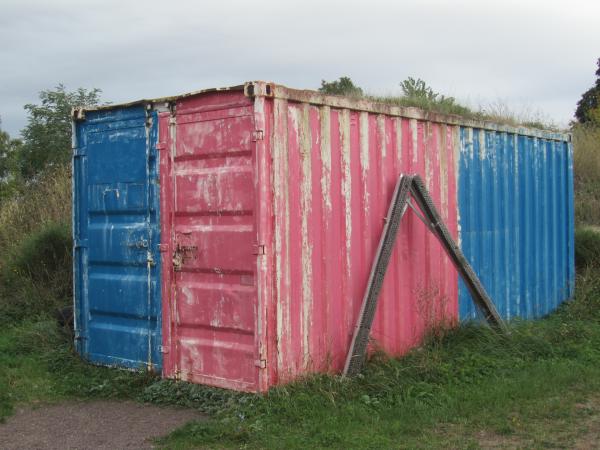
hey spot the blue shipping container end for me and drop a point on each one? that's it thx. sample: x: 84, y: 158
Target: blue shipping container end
x: 116, y: 236
x: 515, y: 197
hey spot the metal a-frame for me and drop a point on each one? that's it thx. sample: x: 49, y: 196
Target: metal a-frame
x: 407, y: 186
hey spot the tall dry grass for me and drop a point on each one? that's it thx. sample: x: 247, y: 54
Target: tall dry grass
x: 35, y: 248
x: 586, y: 161
x: 46, y: 201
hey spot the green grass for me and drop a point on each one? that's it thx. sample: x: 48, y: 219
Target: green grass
x: 437, y: 397
x: 462, y: 387
x: 38, y: 365
x: 468, y: 383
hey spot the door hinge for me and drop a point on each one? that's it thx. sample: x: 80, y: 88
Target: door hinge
x: 258, y: 135
x: 259, y: 249
x: 80, y: 243
x: 163, y: 349
x: 78, y: 114
x: 161, y: 146
x: 261, y: 363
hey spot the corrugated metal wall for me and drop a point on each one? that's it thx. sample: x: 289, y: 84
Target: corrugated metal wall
x: 334, y: 171
x: 515, y: 199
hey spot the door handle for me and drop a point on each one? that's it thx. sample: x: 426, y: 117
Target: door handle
x: 183, y: 253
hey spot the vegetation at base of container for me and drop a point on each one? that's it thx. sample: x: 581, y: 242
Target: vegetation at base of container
x: 469, y: 380
x: 461, y: 382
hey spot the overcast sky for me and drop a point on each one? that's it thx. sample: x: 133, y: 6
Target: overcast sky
x: 531, y: 55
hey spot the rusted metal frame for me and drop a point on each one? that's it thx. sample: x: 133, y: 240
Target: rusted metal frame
x: 167, y: 101
x: 265, y: 89
x: 174, y: 317
x: 360, y: 338
x: 144, y: 244
x: 406, y: 186
x: 439, y: 229
x: 263, y: 224
x: 419, y: 215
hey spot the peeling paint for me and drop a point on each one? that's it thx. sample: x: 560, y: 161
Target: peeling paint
x: 383, y: 135
x: 415, y: 143
x: 364, y: 155
x: 306, y: 199
x: 346, y: 182
x: 326, y: 156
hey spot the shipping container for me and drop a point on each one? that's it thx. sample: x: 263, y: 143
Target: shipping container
x: 272, y: 202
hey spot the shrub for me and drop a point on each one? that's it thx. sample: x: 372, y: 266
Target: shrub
x: 35, y: 247
x: 44, y: 254
x: 36, y: 276
x: 343, y: 86
x: 587, y: 247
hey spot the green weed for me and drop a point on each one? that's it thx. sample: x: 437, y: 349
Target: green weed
x: 469, y: 379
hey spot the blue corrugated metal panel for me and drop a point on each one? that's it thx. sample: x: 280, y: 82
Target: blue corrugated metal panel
x: 515, y: 200
x: 116, y: 236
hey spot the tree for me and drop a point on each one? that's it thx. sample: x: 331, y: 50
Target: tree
x: 343, y: 86
x: 588, y: 107
x: 47, y: 135
x: 9, y: 148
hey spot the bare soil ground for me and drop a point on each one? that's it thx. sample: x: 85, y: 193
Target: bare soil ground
x: 100, y: 424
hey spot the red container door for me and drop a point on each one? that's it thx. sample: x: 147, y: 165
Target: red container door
x: 208, y: 203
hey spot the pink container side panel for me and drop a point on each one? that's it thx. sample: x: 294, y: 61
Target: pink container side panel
x: 333, y: 173
x: 210, y: 271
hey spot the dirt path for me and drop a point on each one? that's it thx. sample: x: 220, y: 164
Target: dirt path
x: 91, y: 425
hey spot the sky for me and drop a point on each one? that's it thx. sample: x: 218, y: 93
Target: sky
x: 534, y: 57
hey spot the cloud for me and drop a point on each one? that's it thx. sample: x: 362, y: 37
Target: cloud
x: 535, y: 54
